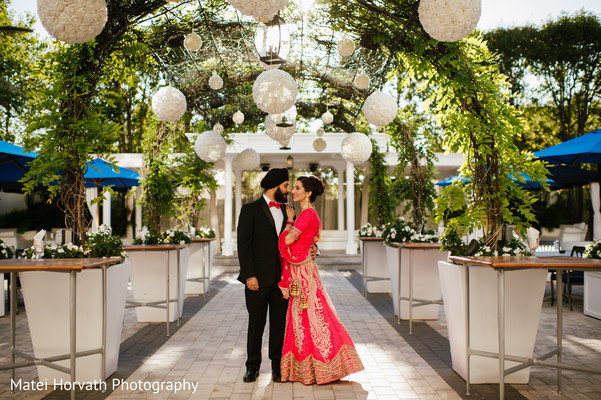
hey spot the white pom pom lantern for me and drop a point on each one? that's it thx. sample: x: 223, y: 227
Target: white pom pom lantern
x: 249, y: 159
x: 319, y: 144
x: 192, y: 42
x: 346, y: 47
x: 169, y: 104
x: 238, y: 117
x: 284, y: 143
x: 278, y: 133
x: 210, y: 146
x: 261, y: 10
x: 218, y: 128
x: 380, y: 108
x: 356, y: 148
x: 327, y: 117
x: 73, y: 21
x: 274, y: 91
x: 362, y: 81
x: 320, y: 132
x: 215, y: 81
x: 449, y: 20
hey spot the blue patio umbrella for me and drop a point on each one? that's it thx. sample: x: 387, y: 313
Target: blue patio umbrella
x: 526, y: 184
x: 582, y: 149
x: 13, y: 165
x: 101, y: 174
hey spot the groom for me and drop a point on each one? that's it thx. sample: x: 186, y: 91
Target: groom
x: 259, y: 225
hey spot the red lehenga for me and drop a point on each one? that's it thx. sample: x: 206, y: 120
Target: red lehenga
x: 317, y: 347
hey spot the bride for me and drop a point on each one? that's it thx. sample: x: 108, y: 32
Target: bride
x: 317, y: 347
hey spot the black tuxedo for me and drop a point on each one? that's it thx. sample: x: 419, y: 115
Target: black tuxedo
x: 259, y: 257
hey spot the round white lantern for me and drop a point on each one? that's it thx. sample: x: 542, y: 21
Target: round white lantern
x: 238, y: 117
x: 218, y: 128
x: 320, y: 132
x: 261, y: 10
x: 73, y: 21
x: 192, y: 41
x: 210, y: 146
x: 183, y: 190
x: 362, y: 81
x: 319, y: 145
x: 327, y: 117
x: 380, y: 108
x: 278, y: 133
x: 284, y: 143
x: 215, y: 81
x: 249, y: 159
x: 449, y: 20
x: 169, y: 104
x: 356, y: 148
x: 346, y: 47
x: 274, y: 91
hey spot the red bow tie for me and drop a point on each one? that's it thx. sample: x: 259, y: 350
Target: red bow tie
x: 274, y: 204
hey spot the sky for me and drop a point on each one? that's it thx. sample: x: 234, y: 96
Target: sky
x: 495, y: 13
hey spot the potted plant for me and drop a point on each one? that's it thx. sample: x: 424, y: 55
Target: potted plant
x: 46, y: 297
x: 592, y: 283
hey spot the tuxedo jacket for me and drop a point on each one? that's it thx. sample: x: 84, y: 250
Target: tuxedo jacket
x: 257, y: 241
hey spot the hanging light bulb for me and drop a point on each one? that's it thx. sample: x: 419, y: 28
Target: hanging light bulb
x: 272, y: 41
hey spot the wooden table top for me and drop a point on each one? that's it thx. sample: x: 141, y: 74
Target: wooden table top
x: 150, y: 247
x: 415, y: 245
x: 56, y: 264
x: 366, y: 238
x: 195, y: 240
x: 524, y: 262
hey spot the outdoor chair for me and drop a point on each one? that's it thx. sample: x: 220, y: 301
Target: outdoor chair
x: 569, y: 278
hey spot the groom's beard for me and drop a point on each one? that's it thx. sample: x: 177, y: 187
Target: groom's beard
x: 280, y: 197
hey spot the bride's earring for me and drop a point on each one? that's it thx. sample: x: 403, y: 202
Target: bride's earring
x: 306, y: 202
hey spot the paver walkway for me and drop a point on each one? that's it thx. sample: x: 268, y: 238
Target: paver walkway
x: 204, y: 358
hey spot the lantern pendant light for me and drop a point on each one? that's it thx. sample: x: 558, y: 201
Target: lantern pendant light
x: 272, y: 41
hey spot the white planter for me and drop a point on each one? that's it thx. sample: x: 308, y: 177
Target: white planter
x: 374, y: 256
x: 524, y: 291
x: 425, y: 279
x: 199, y: 262
x: 46, y: 296
x: 592, y: 294
x: 149, y: 282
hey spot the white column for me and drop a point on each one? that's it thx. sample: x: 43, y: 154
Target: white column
x: 138, y: 207
x: 238, y: 176
x: 215, y: 221
x: 91, y: 195
x: 106, y: 209
x: 365, y: 201
x: 351, y: 244
x: 340, y: 172
x: 228, y: 246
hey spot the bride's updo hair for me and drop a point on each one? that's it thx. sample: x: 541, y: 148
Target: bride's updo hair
x: 312, y: 184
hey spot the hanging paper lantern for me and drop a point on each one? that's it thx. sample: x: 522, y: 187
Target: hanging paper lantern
x: 278, y: 133
x: 346, y: 47
x: 320, y: 132
x: 238, y: 117
x: 183, y: 190
x: 73, y: 21
x: 284, y: 143
x: 449, y: 20
x: 261, y: 10
x: 210, y: 146
x: 169, y: 104
x: 274, y: 91
x: 327, y: 117
x: 319, y: 144
x: 249, y: 159
x: 218, y: 128
x: 215, y: 81
x: 269, y: 67
x: 379, y: 108
x: 362, y: 81
x: 192, y: 41
x: 356, y: 148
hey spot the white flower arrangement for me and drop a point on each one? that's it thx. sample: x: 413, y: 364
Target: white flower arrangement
x: 327, y: 117
x: 356, y: 148
x: 369, y: 230
x: 319, y: 145
x: 204, y: 232
x: 238, y: 117
x: 215, y: 81
x: 274, y: 91
x: 261, y: 10
x: 449, y: 20
x: 346, y: 47
x: 361, y: 81
x: 210, y: 146
x: 192, y: 41
x: 73, y: 21
x: 279, y: 133
x: 169, y: 104
x: 5, y: 250
x: 249, y: 159
x: 218, y: 128
x: 380, y: 108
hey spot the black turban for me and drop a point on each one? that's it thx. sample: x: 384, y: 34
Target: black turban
x: 274, y: 177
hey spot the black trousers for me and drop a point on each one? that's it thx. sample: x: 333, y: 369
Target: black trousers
x: 258, y: 303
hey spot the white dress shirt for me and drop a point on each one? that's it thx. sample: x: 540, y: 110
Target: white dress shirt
x: 278, y: 217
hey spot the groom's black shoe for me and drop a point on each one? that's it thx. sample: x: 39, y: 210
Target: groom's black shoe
x: 251, y: 375
x: 276, y: 376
